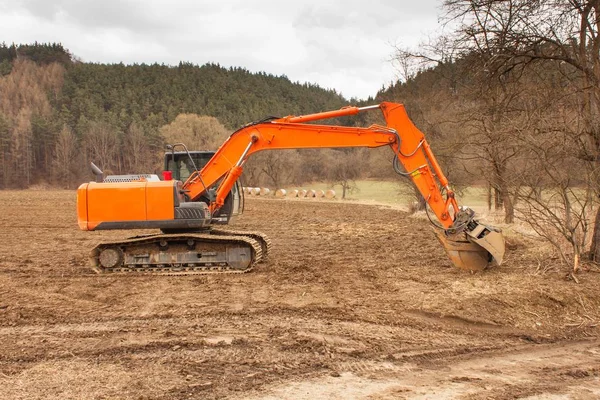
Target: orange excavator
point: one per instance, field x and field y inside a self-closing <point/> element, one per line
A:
<point x="187" y="213"/>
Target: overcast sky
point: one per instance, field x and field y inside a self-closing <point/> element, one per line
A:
<point x="341" y="44"/>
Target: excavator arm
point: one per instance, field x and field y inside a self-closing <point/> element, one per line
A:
<point x="469" y="244"/>
<point x="405" y="140"/>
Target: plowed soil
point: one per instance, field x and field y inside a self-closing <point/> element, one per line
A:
<point x="356" y="301"/>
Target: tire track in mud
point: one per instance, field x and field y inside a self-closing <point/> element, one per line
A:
<point x="321" y="328"/>
<point x="282" y="330"/>
<point x="454" y="322"/>
<point x="562" y="369"/>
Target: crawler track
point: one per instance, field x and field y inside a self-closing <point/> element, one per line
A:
<point x="179" y="254"/>
<point x="265" y="242"/>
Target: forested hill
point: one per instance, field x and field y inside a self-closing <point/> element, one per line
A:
<point x="158" y="93"/>
<point x="57" y="112"/>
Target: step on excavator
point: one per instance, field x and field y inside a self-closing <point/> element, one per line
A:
<point x="191" y="209"/>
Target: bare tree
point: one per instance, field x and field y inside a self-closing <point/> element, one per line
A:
<point x="253" y="173"/>
<point x="102" y="144"/>
<point x="197" y="132"/>
<point x="23" y="95"/>
<point x="561" y="212"/>
<point x="66" y="158"/>
<point x="344" y="168"/>
<point x="5" y="140"/>
<point x="137" y="154"/>
<point x="21" y="149"/>
<point x="523" y="33"/>
<point x="280" y="167"/>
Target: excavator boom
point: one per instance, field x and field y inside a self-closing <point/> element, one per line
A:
<point x="469" y="244"/>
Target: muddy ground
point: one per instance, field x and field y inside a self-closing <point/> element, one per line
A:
<point x="356" y="301"/>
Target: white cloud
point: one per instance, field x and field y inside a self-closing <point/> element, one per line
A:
<point x="343" y="45"/>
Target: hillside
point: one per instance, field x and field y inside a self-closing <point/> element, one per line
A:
<point x="56" y="112"/>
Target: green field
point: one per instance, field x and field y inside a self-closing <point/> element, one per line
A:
<point x="393" y="192"/>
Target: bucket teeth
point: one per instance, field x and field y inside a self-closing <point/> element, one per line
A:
<point x="464" y="254"/>
<point x="475" y="248"/>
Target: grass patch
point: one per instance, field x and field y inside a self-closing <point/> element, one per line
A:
<point x="393" y="192"/>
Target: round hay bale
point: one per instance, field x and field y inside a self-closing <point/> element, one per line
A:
<point x="319" y="194"/>
<point x="302" y="193"/>
<point x="265" y="191"/>
<point x="311" y="193"/>
<point x="279" y="193"/>
<point x="255" y="191"/>
<point x="330" y="194"/>
<point x="292" y="193"/>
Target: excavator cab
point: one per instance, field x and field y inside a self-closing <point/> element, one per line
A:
<point x="181" y="164"/>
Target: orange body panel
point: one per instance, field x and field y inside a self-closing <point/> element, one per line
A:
<point x="82" y="217"/>
<point x="125" y="201"/>
<point x="160" y="197"/>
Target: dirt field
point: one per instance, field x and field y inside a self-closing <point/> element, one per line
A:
<point x="357" y="301"/>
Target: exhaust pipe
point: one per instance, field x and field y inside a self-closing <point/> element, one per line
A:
<point x="97" y="172"/>
<point x="472" y="246"/>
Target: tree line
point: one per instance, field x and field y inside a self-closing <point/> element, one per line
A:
<point x="58" y="113"/>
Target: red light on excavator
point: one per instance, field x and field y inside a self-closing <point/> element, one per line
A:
<point x="167" y="175"/>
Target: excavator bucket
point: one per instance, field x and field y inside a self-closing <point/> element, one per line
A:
<point x="474" y="248"/>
